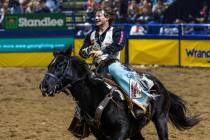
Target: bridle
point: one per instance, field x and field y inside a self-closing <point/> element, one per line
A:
<point x="59" y="82"/>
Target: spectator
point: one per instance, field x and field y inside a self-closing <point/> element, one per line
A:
<point x="203" y="14"/>
<point x="159" y="8"/>
<point x="2" y="14"/>
<point x="208" y="17"/>
<point x="22" y="6"/>
<point x="137" y="29"/>
<point x="18" y="6"/>
<point x="132" y="11"/>
<point x="85" y="29"/>
<point x="90" y="4"/>
<point x="52" y="5"/>
<point x="168" y="2"/>
<point x="171" y="29"/>
<point x="145" y="12"/>
<point x="116" y="8"/>
<point x="189" y="29"/>
<point x="33" y="7"/>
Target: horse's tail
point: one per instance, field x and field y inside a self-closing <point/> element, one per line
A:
<point x="177" y="114"/>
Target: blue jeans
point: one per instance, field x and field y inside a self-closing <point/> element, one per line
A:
<point x="130" y="82"/>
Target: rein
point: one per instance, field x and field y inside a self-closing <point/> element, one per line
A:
<point x="59" y="81"/>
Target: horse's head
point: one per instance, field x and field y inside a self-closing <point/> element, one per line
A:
<point x="62" y="72"/>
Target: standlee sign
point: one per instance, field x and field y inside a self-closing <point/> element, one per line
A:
<point x="43" y="21"/>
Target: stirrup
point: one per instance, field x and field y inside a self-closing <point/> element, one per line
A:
<point x="79" y="128"/>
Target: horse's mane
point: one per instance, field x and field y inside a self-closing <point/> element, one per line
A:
<point x="83" y="69"/>
<point x="80" y="65"/>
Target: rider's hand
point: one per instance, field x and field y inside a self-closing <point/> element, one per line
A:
<point x="95" y="53"/>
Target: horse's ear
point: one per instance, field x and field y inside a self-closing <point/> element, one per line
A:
<point x="57" y="52"/>
<point x="66" y="52"/>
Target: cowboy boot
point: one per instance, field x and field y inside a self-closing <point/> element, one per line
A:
<point x="78" y="127"/>
<point x="141" y="104"/>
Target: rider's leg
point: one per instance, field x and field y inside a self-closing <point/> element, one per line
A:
<point x="78" y="126"/>
<point x="123" y="76"/>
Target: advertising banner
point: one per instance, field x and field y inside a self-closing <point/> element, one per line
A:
<point x="30" y="52"/>
<point x="42" y="21"/>
<point x="34" y="44"/>
<point x="40" y="59"/>
<point x="148" y="51"/>
<point x="195" y="53"/>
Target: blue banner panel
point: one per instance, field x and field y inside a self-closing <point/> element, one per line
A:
<point x="34" y="44"/>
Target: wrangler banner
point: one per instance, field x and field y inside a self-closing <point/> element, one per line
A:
<point x="151" y="51"/>
<point x="195" y="53"/>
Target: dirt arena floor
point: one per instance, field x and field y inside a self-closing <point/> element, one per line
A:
<point x="26" y="114"/>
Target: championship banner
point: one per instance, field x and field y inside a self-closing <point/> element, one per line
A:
<point x="195" y="53"/>
<point x="42" y="21"/>
<point x="148" y="51"/>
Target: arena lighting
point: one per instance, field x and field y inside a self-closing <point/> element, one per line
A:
<point x="47" y="21"/>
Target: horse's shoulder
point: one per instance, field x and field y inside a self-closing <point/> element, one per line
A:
<point x="97" y="81"/>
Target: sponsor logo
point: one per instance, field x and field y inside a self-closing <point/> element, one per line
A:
<point x="35" y="22"/>
<point x="198" y="53"/>
<point x="45" y="22"/>
<point x="11" y="22"/>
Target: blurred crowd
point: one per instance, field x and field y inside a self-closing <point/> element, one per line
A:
<point x="29" y="6"/>
<point x="137" y="12"/>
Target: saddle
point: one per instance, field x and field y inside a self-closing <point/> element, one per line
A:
<point x="121" y="94"/>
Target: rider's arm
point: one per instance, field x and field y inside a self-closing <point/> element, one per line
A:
<point x="118" y="42"/>
<point x="84" y="52"/>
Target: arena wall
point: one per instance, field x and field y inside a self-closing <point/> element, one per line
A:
<point x="193" y="53"/>
<point x="30" y="47"/>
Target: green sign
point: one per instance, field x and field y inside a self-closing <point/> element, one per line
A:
<point x="37" y="22"/>
<point x="34" y="44"/>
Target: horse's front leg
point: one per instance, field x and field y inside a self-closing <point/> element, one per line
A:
<point x="98" y="134"/>
<point x="122" y="132"/>
<point x="137" y="136"/>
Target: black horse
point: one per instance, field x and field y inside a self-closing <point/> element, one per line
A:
<point x="116" y="123"/>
